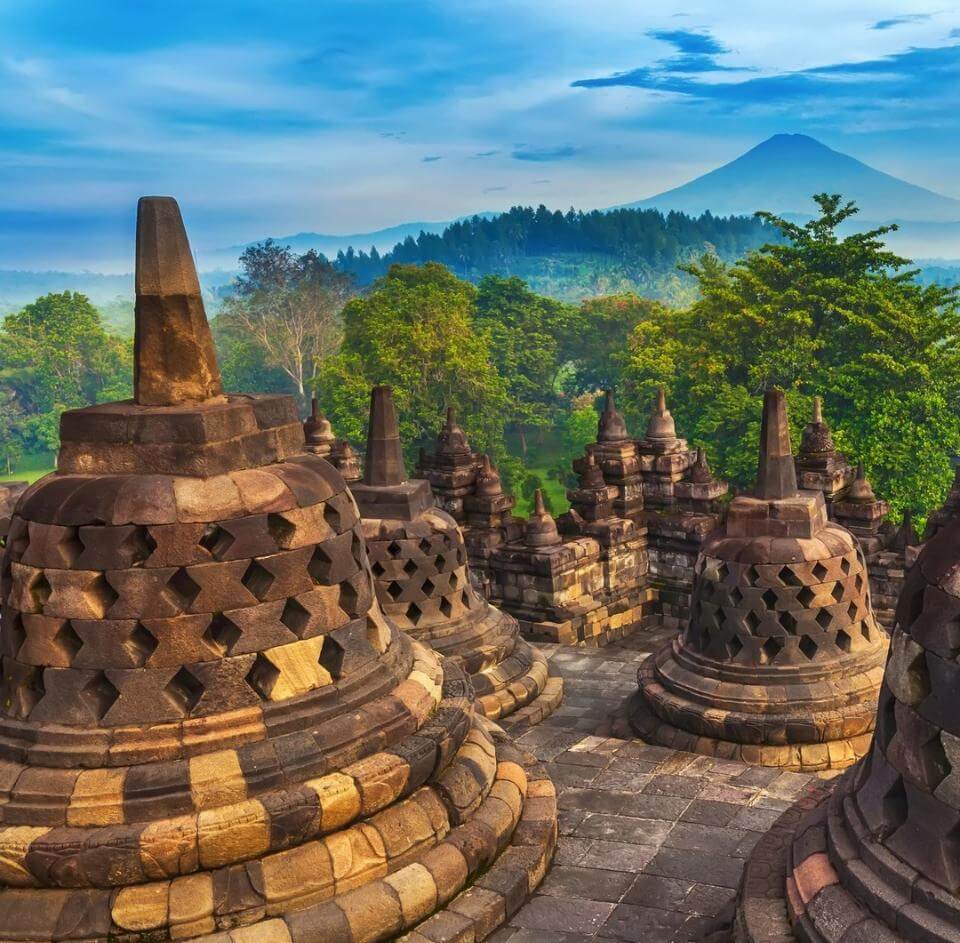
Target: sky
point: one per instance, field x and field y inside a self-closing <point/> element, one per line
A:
<point x="345" y="116"/>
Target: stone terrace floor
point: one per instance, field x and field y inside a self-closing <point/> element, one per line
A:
<point x="652" y="840"/>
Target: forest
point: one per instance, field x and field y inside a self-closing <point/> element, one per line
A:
<point x="805" y="309"/>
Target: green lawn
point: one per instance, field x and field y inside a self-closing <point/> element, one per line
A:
<point x="31" y="467"/>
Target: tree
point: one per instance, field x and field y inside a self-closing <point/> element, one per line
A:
<point x="815" y="314"/>
<point x="56" y="355"/>
<point x="416" y="332"/>
<point x="289" y="306"/>
<point x="531" y="338"/>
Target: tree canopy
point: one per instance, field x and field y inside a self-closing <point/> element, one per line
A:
<point x="814" y="314"/>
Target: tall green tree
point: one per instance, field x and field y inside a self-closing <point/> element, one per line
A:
<point x="819" y="313"/>
<point x="285" y="313"/>
<point x="416" y="332"/>
<point x="531" y="338"/>
<point x="56" y="355"/>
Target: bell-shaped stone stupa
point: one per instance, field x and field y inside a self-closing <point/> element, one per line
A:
<point x="423" y="578"/>
<point x="781" y="660"/>
<point x="208" y="728"/>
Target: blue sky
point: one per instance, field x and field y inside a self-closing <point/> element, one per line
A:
<point x="348" y="115"/>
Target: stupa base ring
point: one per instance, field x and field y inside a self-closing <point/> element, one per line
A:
<point x="795" y="757"/>
<point x="520" y="683"/>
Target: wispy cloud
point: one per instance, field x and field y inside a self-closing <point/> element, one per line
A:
<point x="901" y="20"/>
<point x="545" y="154"/>
<point x="493" y="189"/>
<point x="480" y="155"/>
<point x="431" y="158"/>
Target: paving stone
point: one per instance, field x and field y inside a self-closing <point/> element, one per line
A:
<point x="565" y="916"/>
<point x="593" y="883"/>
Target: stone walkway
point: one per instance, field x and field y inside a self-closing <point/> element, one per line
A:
<point x="653" y="841"/>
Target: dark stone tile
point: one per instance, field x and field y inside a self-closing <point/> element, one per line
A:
<point x="562" y="915"/>
<point x="702" y="869"/>
<point x="710" y="812"/>
<point x="623" y="828"/>
<point x="672" y="785"/>
<point x="633" y="922"/>
<point x="624" y="803"/>
<point x="618" y="856"/>
<point x="651" y="890"/>
<point x="708" y="839"/>
<point x="706" y="899"/>
<point x="592" y="883"/>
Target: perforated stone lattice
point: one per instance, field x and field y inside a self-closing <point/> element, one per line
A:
<point x="783" y="614"/>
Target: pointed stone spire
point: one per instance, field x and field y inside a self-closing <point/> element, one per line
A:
<point x="592" y="476"/>
<point x="383" y="464"/>
<point x="612" y="427"/>
<point x="540" y="529"/>
<point x="661" y="425"/>
<point x="817" y="438"/>
<point x="317" y="431"/>
<point x="345" y="460"/>
<point x="906" y="535"/>
<point x="488" y="480"/>
<point x="452" y="440"/>
<point x="861" y="491"/>
<point x="776" y="475"/>
<point x="700" y="472"/>
<point x="174" y="360"/>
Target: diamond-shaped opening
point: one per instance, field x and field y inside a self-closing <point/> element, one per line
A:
<point x="819" y="572"/>
<point x="99" y="694"/>
<point x="410" y="567"/>
<point x="723" y="571"/>
<point x="184" y="691"/>
<point x="262" y="676"/>
<point x="258" y="579"/>
<point x="14" y="635"/>
<point x="461" y="556"/>
<point x="824" y="619"/>
<point x="736" y="597"/>
<point x="753" y="577"/>
<point x="40" y="590"/>
<point x="70" y="545"/>
<point x="752" y="620"/>
<point x="428" y="587"/>
<point x="886" y="719"/>
<point x="808" y="646"/>
<point x="843" y="641"/>
<point x="933" y="760"/>
<point x="331" y="657"/>
<point x="465" y="598"/>
<point x="281" y="529"/>
<point x="788" y="621"/>
<point x="184" y="588"/>
<point x="734" y="646"/>
<point x="393" y="548"/>
<point x="320" y="566"/>
<point x="141" y="643"/>
<point x="414" y="613"/>
<point x="894" y="809"/>
<point x="349" y="600"/>
<point x="837" y="591"/>
<point x="216" y="541"/>
<point x="333" y="517"/>
<point x="865" y="630"/>
<point x="454" y="580"/>
<point x="858" y="582"/>
<point x="143" y="544"/>
<point x="440" y="562"/>
<point x="425" y="545"/>
<point x="101" y="594"/>
<point x="806" y="596"/>
<point x="358" y="550"/>
<point x="852" y="611"/>
<point x="721" y="617"/>
<point x="771" y="648"/>
<point x="68" y="641"/>
<point x="770" y="599"/>
<point x="33" y="690"/>
<point x="394" y="590"/>
<point x="377" y="569"/>
<point x="446" y="607"/>
<point x="788" y="577"/>
<point x="295" y="617"/>
<point x="845" y="566"/>
<point x="223" y="633"/>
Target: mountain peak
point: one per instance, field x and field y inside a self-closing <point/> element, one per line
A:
<point x="782" y="173"/>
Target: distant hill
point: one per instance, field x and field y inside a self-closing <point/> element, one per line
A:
<point x="381" y="239"/>
<point x="782" y="173"/>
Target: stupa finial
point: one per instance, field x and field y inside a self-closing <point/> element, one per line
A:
<point x="776" y="474"/>
<point x="173" y="356"/>
<point x="383" y="464"/>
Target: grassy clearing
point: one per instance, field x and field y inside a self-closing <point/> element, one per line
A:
<point x="32" y="466"/>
